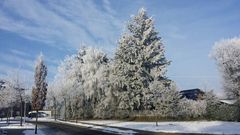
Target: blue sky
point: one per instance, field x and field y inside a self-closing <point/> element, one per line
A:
<point x="57" y="28"/>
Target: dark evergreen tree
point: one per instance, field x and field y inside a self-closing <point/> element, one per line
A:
<point x="39" y="90"/>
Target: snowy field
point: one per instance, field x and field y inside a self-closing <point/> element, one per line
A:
<point x="14" y="124"/>
<point x="17" y="126"/>
<point x="204" y="127"/>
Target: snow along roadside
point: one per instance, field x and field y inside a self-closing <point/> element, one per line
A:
<point x="202" y="127"/>
<point x="102" y="128"/>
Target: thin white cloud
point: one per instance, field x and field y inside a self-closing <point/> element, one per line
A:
<point x="52" y="69"/>
<point x="17" y="61"/>
<point x="6" y="69"/>
<point x="53" y="61"/>
<point x="174" y="32"/>
<point x="26" y="76"/>
<point x="107" y="7"/>
<point x="61" y="23"/>
<point x="19" y="53"/>
<point x="24" y="65"/>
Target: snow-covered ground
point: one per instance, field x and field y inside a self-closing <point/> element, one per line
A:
<point x="14" y="124"/>
<point x="11" y="122"/>
<point x="204" y="127"/>
<point x="17" y="126"/>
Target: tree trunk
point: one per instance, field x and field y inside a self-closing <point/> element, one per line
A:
<point x="21" y="112"/>
<point x="65" y="109"/>
<point x="24" y="111"/>
<point x="156" y="120"/>
<point x="55" y="114"/>
<point x="8" y="116"/>
<point x="11" y="112"/>
<point x="36" y="122"/>
<point x="76" y="116"/>
<point x="55" y="109"/>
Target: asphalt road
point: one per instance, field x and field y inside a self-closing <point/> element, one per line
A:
<point x="65" y="129"/>
<point x="51" y="128"/>
<point x="58" y="129"/>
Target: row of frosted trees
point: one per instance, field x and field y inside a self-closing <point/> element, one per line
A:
<point x="14" y="97"/>
<point x="88" y="84"/>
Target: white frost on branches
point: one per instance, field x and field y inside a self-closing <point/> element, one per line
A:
<point x="191" y="108"/>
<point x="227" y="56"/>
<point x="82" y="83"/>
<point x="139" y="60"/>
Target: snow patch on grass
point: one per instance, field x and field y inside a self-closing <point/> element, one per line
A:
<point x="115" y="130"/>
<point x="10" y="122"/>
<point x="102" y="122"/>
<point x="204" y="127"/>
<point x="17" y="126"/>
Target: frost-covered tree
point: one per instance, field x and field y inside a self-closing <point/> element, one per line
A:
<point x="52" y="100"/>
<point x="138" y="61"/>
<point x="12" y="93"/>
<point x="8" y="98"/>
<point x="212" y="102"/>
<point x="4" y="93"/>
<point x="227" y="56"/>
<point x="94" y="73"/>
<point x="68" y="79"/>
<point x="39" y="89"/>
<point x="162" y="99"/>
<point x="192" y="109"/>
<point x="165" y="99"/>
<point x="82" y="82"/>
<point x="16" y="84"/>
